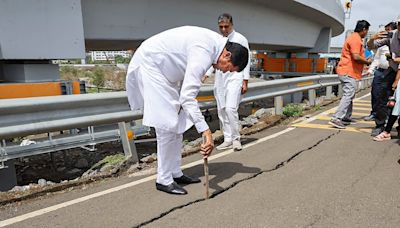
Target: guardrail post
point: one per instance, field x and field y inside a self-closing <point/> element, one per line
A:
<point x="340" y="90"/>
<point x="311" y="96"/>
<point x="8" y="176"/>
<point x="278" y="103"/>
<point x="328" y="94"/>
<point x="127" y="137"/>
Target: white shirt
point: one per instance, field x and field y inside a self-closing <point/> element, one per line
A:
<point x="394" y="47"/>
<point x="177" y="55"/>
<point x="380" y="60"/>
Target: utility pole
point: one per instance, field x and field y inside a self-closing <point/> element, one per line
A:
<point x="347" y="6"/>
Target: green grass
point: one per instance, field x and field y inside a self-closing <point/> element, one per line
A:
<point x="293" y="110"/>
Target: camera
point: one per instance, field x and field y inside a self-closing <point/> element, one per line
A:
<point x="389" y="35"/>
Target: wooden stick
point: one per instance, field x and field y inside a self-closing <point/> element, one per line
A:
<point x="206" y="172"/>
<point x="206" y="177"/>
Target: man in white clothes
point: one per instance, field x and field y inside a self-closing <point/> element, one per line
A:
<point x="229" y="87"/>
<point x="163" y="80"/>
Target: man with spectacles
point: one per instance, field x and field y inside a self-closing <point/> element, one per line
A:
<point x="377" y="68"/>
<point x="229" y="87"/>
<point x="392" y="40"/>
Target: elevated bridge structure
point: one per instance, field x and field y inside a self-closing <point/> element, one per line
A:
<point x="34" y="32"/>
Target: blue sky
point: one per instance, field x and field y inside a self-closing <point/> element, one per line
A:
<point x="376" y="12"/>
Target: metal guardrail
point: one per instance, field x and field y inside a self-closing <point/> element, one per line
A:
<point x="27" y="116"/>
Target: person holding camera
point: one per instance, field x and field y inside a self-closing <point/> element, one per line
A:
<point x="392" y="40"/>
<point x="395" y="112"/>
<point x="350" y="70"/>
<point x="377" y="67"/>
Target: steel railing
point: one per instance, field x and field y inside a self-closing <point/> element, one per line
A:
<point x="29" y="116"/>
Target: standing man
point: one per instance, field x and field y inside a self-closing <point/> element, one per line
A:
<point x="392" y="40"/>
<point x="229" y="87"/>
<point x="377" y="67"/>
<point x="349" y="70"/>
<point x="178" y="56"/>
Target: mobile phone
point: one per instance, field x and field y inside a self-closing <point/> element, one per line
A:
<point x="389" y="35"/>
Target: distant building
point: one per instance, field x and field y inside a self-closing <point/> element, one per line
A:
<point x="108" y="55"/>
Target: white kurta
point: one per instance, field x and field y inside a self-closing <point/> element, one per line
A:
<point x="177" y="56"/>
<point x="227" y="92"/>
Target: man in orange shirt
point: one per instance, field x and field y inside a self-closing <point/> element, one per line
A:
<point x="349" y="70"/>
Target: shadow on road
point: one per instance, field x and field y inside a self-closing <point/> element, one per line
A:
<point x="221" y="171"/>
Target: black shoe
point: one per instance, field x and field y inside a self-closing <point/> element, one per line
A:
<point x="172" y="188"/>
<point x="376" y="132"/>
<point x="186" y="180"/>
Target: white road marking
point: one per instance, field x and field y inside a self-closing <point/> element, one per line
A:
<point x="128" y="185"/>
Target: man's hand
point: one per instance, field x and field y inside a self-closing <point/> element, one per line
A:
<point x="369" y="60"/>
<point x="204" y="78"/>
<point x="367" y="73"/>
<point x="396" y="60"/>
<point x="244" y="86"/>
<point x="394" y="85"/>
<point x="396" y="80"/>
<point x="379" y="35"/>
<point x="208" y="144"/>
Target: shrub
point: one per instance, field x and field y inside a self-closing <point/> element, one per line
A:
<point x="293" y="110"/>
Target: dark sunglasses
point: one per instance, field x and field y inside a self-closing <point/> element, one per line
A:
<point x="224" y="26"/>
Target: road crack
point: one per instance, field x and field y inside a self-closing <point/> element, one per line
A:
<point x="216" y="193"/>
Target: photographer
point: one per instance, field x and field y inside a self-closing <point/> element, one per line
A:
<point x="377" y="67"/>
<point x="395" y="112"/>
<point x="392" y="40"/>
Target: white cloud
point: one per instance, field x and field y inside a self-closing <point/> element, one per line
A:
<point x="376" y="12"/>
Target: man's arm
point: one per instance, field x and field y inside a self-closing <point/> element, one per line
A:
<point x="358" y="58"/>
<point x="246" y="70"/>
<point x="375" y="62"/>
<point x="208" y="73"/>
<point x="197" y="62"/>
<point x="378" y="40"/>
<point x="396" y="81"/>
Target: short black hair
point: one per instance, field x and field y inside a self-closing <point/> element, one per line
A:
<point x="225" y="17"/>
<point x="240" y="55"/>
<point x="361" y="25"/>
<point x="392" y="25"/>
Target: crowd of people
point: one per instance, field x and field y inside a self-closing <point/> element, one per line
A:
<point x="383" y="66"/>
<point x="167" y="70"/>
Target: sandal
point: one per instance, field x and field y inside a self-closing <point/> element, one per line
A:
<point x="382" y="137"/>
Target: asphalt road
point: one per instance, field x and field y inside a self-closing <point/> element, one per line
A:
<point x="305" y="175"/>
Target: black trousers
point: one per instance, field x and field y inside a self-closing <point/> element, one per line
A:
<point x="382" y="111"/>
<point x="392" y="119"/>
<point x="375" y="88"/>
